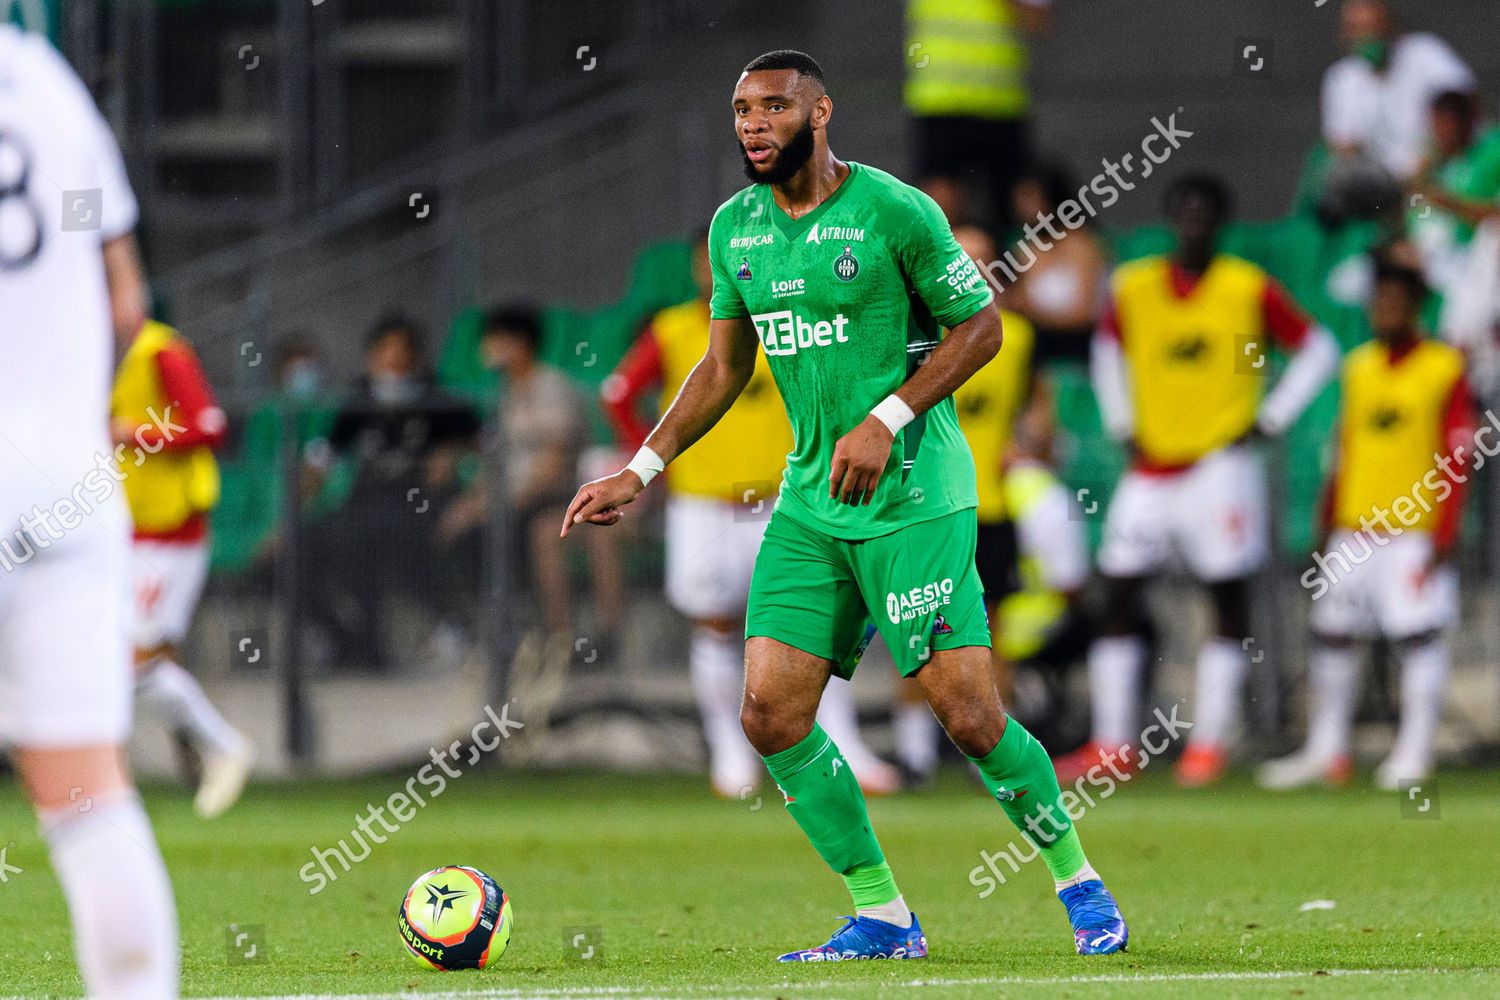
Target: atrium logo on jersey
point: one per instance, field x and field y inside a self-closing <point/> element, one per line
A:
<point x="785" y="332"/>
<point x="918" y="601"/>
<point x="839" y="234"/>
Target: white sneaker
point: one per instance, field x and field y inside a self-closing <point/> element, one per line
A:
<point x="1395" y="771"/>
<point x="1302" y="769"/>
<point x="728" y="786"/>
<point x="224" y="775"/>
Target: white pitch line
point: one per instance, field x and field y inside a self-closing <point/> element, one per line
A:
<point x="659" y="993"/>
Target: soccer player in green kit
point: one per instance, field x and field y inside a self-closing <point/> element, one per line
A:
<point x="845" y="276"/>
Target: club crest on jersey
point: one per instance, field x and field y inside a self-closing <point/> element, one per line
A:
<point x="743" y="274"/>
<point x="846" y="267"/>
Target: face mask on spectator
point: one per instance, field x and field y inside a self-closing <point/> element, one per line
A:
<point x="303" y="380"/>
<point x="393" y="390"/>
<point x="1373" y="50"/>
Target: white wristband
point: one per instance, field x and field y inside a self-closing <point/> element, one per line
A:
<point x="646" y="464"/>
<point x="894" y="413"/>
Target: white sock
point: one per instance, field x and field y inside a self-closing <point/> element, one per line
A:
<point x="1333" y="685"/>
<point x="175" y="693"/>
<point x="837" y="716"/>
<point x="1084" y="874"/>
<point x="895" y="912"/>
<point x="1115" y="665"/>
<point x="916" y="732"/>
<point x="717" y="665"/>
<point x="124" y="919"/>
<point x="1424" y="688"/>
<point x="1221" y="674"/>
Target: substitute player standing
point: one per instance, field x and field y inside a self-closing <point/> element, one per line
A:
<point x="1180" y="365"/>
<point x="720" y="500"/>
<point x="1407" y="422"/>
<point x="845" y="290"/>
<point x="166" y="418"/>
<point x="67" y="264"/>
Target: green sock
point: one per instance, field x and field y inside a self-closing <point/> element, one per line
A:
<point x="1019" y="774"/>
<point x="824" y="798"/>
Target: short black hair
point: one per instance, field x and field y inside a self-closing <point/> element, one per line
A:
<point x="1207" y="186"/>
<point x="400" y="324"/>
<point x="1456" y="102"/>
<point x="801" y="62"/>
<point x="1410" y="278"/>
<point x="294" y="344"/>
<point x="515" y="319"/>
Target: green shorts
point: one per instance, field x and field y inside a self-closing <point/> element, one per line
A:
<point x="918" y="586"/>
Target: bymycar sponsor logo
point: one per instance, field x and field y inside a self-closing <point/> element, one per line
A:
<point x="793" y="286"/>
<point x="918" y="601"/>
<point x="758" y="240"/>
<point x="785" y="332"/>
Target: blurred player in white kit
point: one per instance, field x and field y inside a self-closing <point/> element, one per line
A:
<point x="68" y="272"/>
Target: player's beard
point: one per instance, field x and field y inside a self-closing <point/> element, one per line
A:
<point x="789" y="159"/>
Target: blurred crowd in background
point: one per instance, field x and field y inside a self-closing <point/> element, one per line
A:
<point x="395" y="481"/>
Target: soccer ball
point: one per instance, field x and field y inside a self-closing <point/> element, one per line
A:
<point x="455" y="917"/>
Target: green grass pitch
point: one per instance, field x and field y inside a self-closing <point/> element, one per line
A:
<point x="693" y="897"/>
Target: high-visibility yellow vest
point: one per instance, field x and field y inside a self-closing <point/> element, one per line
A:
<point x="1197" y="362"/>
<point x="741" y="458"/>
<point x="965" y="57"/>
<point x="987" y="406"/>
<point x="1027" y="615"/>
<point x="1391" y="429"/>
<point x="164" y="489"/>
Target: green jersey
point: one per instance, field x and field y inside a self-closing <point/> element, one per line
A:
<point x="847" y="301"/>
<point x="1473" y="175"/>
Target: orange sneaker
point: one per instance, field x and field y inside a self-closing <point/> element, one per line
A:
<point x="1341" y="771"/>
<point x="1201" y="764"/>
<point x="877" y="778"/>
<point x="1072" y="766"/>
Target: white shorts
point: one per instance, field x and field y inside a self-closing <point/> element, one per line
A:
<point x="65" y="663"/>
<point x="1212" y="516"/>
<point x="169" y="579"/>
<point x="1381" y="590"/>
<point x="711" y="550"/>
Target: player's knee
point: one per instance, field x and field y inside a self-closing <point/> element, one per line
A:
<point x="974" y="729"/>
<point x="1409" y="644"/>
<point x="771" y="728"/>
<point x="1329" y="640"/>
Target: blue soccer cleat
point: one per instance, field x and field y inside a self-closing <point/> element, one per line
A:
<point x="866" y="937"/>
<point x="1098" y="927"/>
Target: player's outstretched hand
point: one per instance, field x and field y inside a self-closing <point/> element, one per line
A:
<point x="599" y="502"/>
<point x="859" y="458"/>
